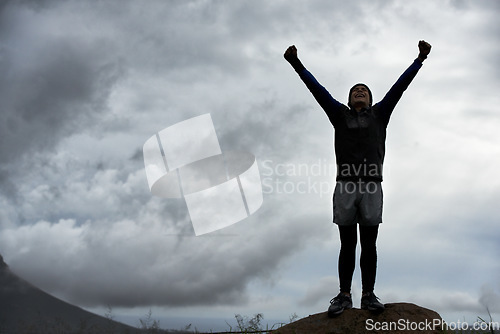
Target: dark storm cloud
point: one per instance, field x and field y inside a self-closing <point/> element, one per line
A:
<point x="194" y="40"/>
<point x="51" y="85"/>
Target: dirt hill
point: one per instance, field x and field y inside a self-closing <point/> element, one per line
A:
<point x="397" y="318"/>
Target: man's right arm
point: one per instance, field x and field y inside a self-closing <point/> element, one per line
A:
<point x="331" y="106"/>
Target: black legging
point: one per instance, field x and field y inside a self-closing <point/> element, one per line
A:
<point x="347" y="257"/>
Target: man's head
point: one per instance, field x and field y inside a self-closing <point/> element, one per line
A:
<point x="360" y="96"/>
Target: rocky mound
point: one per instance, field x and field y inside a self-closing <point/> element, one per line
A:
<point x="397" y="318"/>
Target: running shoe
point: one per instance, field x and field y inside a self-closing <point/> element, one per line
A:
<point x="339" y="304"/>
<point x="371" y="302"/>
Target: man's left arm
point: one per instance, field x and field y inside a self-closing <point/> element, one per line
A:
<point x="393" y="96"/>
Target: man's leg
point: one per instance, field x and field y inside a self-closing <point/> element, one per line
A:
<point x="368" y="239"/>
<point x="368" y="261"/>
<point x="347" y="263"/>
<point x="370" y="218"/>
<point x="370" y="214"/>
<point x="347" y="256"/>
<point x="344" y="215"/>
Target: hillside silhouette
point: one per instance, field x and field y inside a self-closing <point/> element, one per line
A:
<point x="26" y="309"/>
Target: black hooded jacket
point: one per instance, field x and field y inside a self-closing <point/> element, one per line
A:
<point x="359" y="136"/>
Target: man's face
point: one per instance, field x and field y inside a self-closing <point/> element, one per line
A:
<point x="360" y="97"/>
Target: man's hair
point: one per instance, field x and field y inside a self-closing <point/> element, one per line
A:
<point x="352" y="88"/>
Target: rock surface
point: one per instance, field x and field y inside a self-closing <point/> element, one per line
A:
<point x="403" y="317"/>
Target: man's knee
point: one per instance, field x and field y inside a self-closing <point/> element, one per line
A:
<point x="368" y="236"/>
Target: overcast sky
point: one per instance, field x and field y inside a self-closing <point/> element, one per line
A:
<point x="83" y="84"/>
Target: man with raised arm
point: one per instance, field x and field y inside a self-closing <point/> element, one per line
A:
<point x="360" y="132"/>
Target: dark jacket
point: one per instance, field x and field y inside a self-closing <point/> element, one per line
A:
<point x="359" y="136"/>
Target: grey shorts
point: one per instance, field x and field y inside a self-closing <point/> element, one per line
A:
<point x="357" y="202"/>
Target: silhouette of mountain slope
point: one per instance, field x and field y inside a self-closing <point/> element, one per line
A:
<point x="26" y="309"/>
